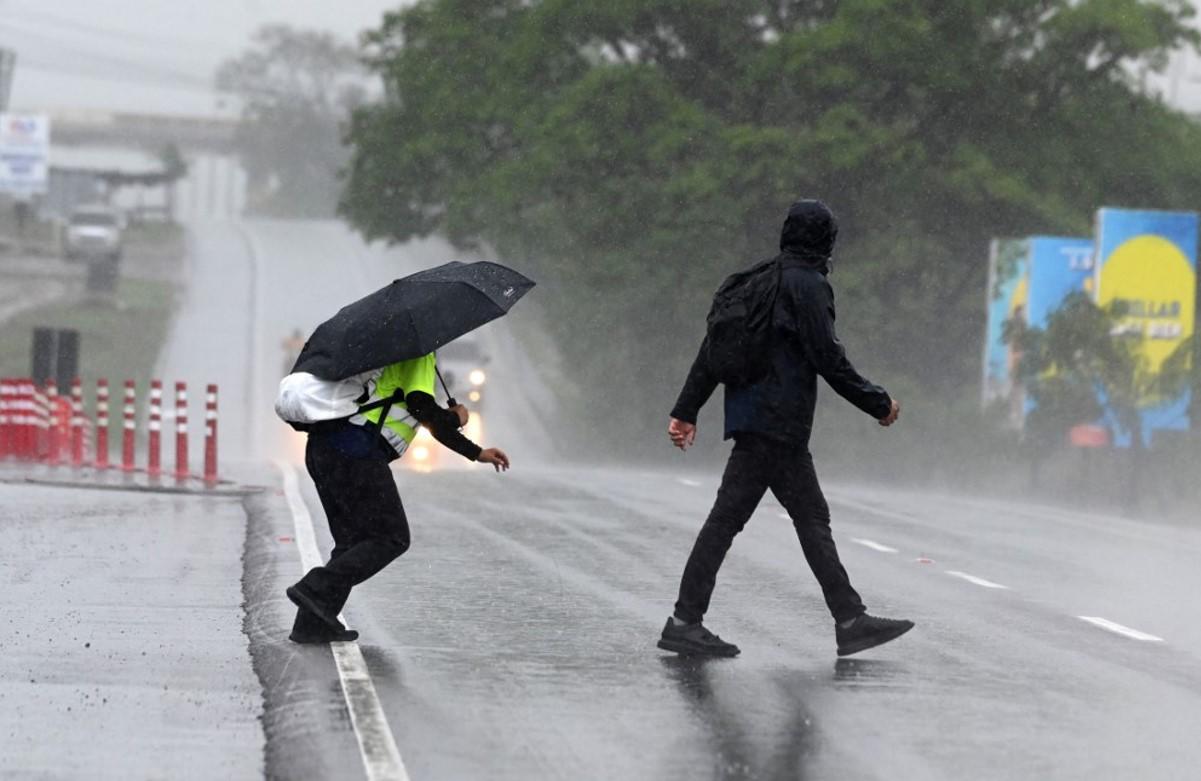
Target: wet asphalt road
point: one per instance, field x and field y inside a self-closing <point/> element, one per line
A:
<point x="516" y="638"/>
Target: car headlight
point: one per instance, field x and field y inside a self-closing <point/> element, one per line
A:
<point x="474" y="396"/>
<point x="421" y="453"/>
<point x="477" y="377"/>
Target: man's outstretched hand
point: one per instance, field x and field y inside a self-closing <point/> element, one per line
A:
<point x="496" y="457"/>
<point x="892" y="415"/>
<point x="682" y="434"/>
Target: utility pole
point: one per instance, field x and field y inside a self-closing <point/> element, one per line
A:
<point x="8" y="64"/>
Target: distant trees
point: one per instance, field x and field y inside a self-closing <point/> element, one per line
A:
<point x="631" y="154"/>
<point x="297" y="89"/>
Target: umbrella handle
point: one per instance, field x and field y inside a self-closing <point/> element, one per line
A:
<point x="450" y="400"/>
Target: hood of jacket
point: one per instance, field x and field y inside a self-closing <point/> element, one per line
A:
<point x="809" y="231"/>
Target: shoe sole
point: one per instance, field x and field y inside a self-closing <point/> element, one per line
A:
<point x="873" y="641"/>
<point x="347" y="637"/>
<point x="300" y="599"/>
<point x="691" y="649"/>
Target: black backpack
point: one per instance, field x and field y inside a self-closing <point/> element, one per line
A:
<point x="738" y="335"/>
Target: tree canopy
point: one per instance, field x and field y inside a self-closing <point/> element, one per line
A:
<point x="297" y="89"/>
<point x="632" y="153"/>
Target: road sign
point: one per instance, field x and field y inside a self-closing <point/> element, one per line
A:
<point x="24" y="153"/>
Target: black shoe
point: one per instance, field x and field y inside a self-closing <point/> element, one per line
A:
<point x="868" y="632"/>
<point x="694" y="640"/>
<point x="310" y="630"/>
<point x="303" y="597"/>
<point x="323" y="636"/>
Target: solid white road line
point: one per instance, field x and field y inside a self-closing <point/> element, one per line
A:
<point x="1126" y="631"/>
<point x="381" y="757"/>
<point x="873" y="545"/>
<point x="690" y="483"/>
<point x="973" y="579"/>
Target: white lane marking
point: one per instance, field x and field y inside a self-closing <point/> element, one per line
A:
<point x="873" y="545"/>
<point x="973" y="579"/>
<point x="381" y="757"/>
<point x="690" y="483"/>
<point x="1133" y="634"/>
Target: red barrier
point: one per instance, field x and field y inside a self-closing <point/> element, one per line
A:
<point x="26" y="433"/>
<point x="181" y="430"/>
<point x="154" y="463"/>
<point x="210" y="435"/>
<point x="6" y="426"/>
<point x="102" y="423"/>
<point x="130" y="426"/>
<point x="77" y="422"/>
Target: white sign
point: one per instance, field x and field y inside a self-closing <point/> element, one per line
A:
<point x="24" y="153"/>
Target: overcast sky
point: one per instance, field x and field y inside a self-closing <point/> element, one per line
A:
<point x="154" y="56"/>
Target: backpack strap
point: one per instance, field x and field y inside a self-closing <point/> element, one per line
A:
<point x="397" y="397"/>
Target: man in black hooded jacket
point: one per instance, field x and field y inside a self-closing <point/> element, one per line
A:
<point x="770" y="422"/>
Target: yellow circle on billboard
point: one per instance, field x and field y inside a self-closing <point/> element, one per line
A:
<point x="1153" y="285"/>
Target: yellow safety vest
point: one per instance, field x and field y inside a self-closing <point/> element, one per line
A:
<point x="416" y="374"/>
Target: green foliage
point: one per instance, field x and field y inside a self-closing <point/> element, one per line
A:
<point x="297" y="89"/>
<point x="632" y="153"/>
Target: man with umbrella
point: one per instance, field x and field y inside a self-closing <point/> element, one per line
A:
<point x="362" y="385"/>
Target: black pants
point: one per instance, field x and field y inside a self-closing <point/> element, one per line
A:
<point x="366" y="519"/>
<point x="755" y="465"/>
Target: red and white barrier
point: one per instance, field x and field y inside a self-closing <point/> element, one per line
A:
<point x="102" y="423"/>
<point x="154" y="441"/>
<point x="210" y="434"/>
<point x="37" y="424"/>
<point x="77" y="422"/>
<point x="181" y="430"/>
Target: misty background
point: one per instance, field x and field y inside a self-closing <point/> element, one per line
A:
<point x="630" y="157"/>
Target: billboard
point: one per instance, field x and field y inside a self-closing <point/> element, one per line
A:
<point x="1059" y="266"/>
<point x="1147" y="274"/>
<point x="1008" y="291"/>
<point x="24" y="153"/>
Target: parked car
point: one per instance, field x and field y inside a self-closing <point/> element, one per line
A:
<point x="94" y="233"/>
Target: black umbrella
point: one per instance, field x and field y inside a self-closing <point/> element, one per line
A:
<point x="411" y="317"/>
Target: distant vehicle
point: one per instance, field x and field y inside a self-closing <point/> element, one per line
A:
<point x="462" y="365"/>
<point x="94" y="233"/>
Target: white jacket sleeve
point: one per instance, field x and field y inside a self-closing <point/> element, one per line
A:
<point x="305" y="398"/>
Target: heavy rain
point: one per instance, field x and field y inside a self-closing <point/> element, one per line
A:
<point x="545" y="389"/>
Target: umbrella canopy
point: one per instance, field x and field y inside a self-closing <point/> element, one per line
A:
<point x="411" y="317"/>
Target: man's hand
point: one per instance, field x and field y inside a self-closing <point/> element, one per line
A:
<point x="682" y="434"/>
<point x="892" y="415"/>
<point x="496" y="457"/>
<point x="463" y="414"/>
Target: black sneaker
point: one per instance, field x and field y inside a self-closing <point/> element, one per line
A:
<point x="694" y="640"/>
<point x="303" y="597"/>
<point x="868" y="632"/>
<point x="323" y="636"/>
<point x="308" y="629"/>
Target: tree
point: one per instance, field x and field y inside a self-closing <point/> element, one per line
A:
<point x="297" y="89"/>
<point x="633" y="153"/>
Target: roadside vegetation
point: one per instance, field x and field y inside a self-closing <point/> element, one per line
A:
<point x="629" y="155"/>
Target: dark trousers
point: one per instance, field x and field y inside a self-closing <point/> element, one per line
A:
<point x="366" y="519"/>
<point x="755" y="465"/>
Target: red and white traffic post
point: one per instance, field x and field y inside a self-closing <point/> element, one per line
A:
<point x="154" y="459"/>
<point x="181" y="430"/>
<point x="130" y="426"/>
<point x="210" y="434"/>
<point x="102" y="423"/>
<point x="6" y="411"/>
<point x="77" y="422"/>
